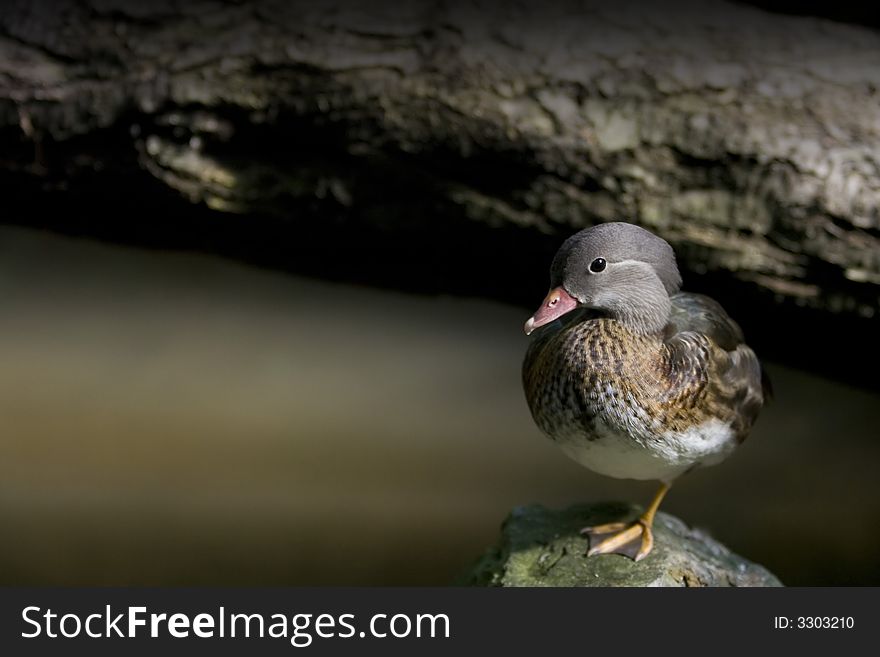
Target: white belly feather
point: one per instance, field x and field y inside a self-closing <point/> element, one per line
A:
<point x="619" y="455"/>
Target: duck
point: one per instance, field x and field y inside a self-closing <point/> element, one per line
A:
<point x="632" y="377"/>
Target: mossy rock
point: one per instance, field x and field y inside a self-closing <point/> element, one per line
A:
<point x="541" y="547"/>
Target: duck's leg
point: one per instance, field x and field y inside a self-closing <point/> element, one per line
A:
<point x="632" y="539"/>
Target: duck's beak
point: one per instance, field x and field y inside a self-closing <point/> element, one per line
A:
<point x="555" y="305"/>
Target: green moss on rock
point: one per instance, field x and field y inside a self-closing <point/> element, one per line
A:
<point x="541" y="547"/>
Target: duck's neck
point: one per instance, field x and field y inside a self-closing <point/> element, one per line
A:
<point x="645" y="314"/>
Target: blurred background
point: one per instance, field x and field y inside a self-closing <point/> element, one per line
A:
<point x="264" y="269"/>
<point x="181" y="419"/>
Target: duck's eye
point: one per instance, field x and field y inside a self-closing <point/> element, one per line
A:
<point x="598" y="265"/>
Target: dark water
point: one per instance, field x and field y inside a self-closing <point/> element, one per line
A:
<point x="179" y="419"/>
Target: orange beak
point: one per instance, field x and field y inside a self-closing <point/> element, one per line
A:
<point x="555" y="305"/>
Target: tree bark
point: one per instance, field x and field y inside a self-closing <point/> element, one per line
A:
<point x="451" y="146"/>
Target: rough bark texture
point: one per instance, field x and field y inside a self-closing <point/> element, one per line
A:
<point x="750" y="141"/>
<point x="539" y="547"/>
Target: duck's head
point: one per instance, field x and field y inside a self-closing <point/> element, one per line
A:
<point x="616" y="269"/>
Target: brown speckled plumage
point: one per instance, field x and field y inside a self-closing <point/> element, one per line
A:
<point x="596" y="368"/>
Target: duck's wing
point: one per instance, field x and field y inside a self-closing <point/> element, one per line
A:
<point x="701" y="314"/>
<point x="710" y="360"/>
